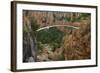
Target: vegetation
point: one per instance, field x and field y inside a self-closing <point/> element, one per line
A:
<point x="52" y="36"/>
<point x="56" y="43"/>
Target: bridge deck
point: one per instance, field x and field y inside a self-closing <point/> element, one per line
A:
<point x="47" y="27"/>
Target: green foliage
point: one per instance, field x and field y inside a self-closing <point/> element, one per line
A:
<point x="67" y="19"/>
<point x="40" y="45"/>
<point x="51" y="36"/>
<point x="76" y="19"/>
<point x="84" y="15"/>
<point x="25" y="29"/>
<point x="34" y="25"/>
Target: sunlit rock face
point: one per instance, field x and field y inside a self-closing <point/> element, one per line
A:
<point x="78" y="45"/>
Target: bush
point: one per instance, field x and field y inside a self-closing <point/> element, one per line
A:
<point x="52" y="36"/>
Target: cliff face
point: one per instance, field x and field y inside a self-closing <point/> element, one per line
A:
<point x="78" y="45"/>
<point x="51" y="18"/>
<point x="56" y="43"/>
